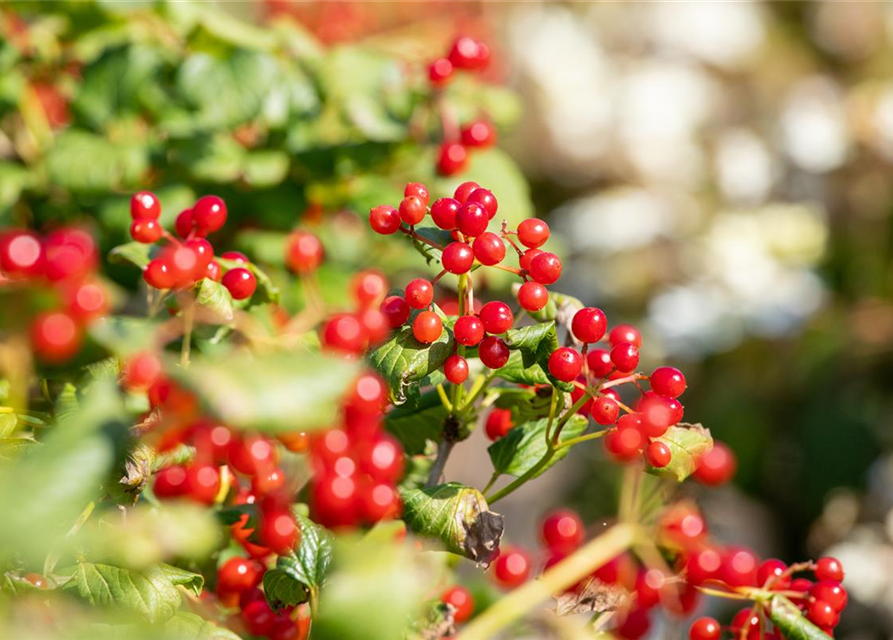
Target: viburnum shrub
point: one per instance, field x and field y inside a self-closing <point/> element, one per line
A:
<point x="294" y="463"/>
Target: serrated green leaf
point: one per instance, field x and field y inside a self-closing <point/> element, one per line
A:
<point x="457" y="516"/>
<point x="535" y="343"/>
<point x="515" y="371"/>
<point x="415" y="425"/>
<point x="403" y="360"/>
<point x="271" y="393"/>
<point x="525" y="445"/>
<point x="302" y="570"/>
<point x="195" y="582"/>
<point x="528" y="339"/>
<point x="150" y="594"/>
<point x="687" y="443"/>
<point x="216" y="298"/>
<point x="188" y="626"/>
<point x="791" y="622"/>
<point x="135" y="253"/>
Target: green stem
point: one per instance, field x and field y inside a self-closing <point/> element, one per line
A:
<point x="579" y="439"/>
<point x="492" y="481"/>
<point x="518" y="482"/>
<point x="569" y="571"/>
<point x="188" y="323"/>
<point x="553" y="407"/>
<point x="443" y="399"/>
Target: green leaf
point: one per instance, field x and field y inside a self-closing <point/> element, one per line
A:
<point x="525" y="446"/>
<point x="791" y="622"/>
<point x="8" y="422"/>
<point x="195" y="582"/>
<point x="415" y="426"/>
<point x="112" y="86"/>
<point x="515" y="371"/>
<point x="265" y="168"/>
<point x="535" y="344"/>
<point x="124" y="335"/>
<point x="150" y="594"/>
<point x="83" y="161"/>
<point x="273" y="392"/>
<point x="13" y="447"/>
<point x="403" y="360"/>
<point x="457" y="516"/>
<point x="306" y="567"/>
<point x="135" y="253"/>
<point x="216" y="298"/>
<point x="188" y="626"/>
<point x="687" y="443"/>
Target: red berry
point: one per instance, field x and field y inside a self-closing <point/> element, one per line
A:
<point x="258" y="618"/>
<point x="667" y="382"/>
<point x="822" y="614"/>
<point x="565" y="363"/>
<point x="469" y="330"/>
<point x="278" y="529"/>
<point x="443" y="212"/>
<point x="829" y="569"/>
<point x="498" y="424"/>
<point x="418" y="190"/>
<point x="241" y="283"/>
<point x="489" y="249"/>
<point x="533" y="233"/>
<point x="589" y="324"/>
<point x="716" y="466"/>
<point x="182" y="263"/>
<point x="440" y="71"/>
<point x="55" y="337"/>
<point x="238" y="575"/>
<point x="284" y="628"/>
<point x="21" y="254"/>
<point x="369" y="288"/>
<point x="419" y="293"/>
<point x="635" y="625"/>
<point x="384" y="219"/>
<point x="68" y="254"/>
<point x="251" y="455"/>
<point x="462" y="602"/>
<point x="604" y="410"/>
<point x="480" y="134"/>
<point x="493" y="352"/>
<point x="170" y="482"/>
<point x="545" y="268"/>
<point x="625" y="356"/>
<point x="202" y="483"/>
<point x="746" y="624"/>
<point x="599" y="362"/>
<point x="625" y="444"/>
<point x="382" y="459"/>
<point x="472" y="219"/>
<point x="378" y="501"/>
<point x="487" y="201"/>
<point x="739" y="568"/>
<point x="464" y="190"/>
<point x="831" y="592"/>
<point x="452" y="158"/>
<point x="562" y="530"/>
<point x="141" y="370"/>
<point x="511" y="568"/>
<point x="658" y="454"/>
<point x="209" y="214"/>
<point x="465" y="53"/>
<point x="772" y="574"/>
<point x="235" y="256"/>
<point x="496" y="317"/>
<point x="395" y="310"/>
<point x="656" y="416"/>
<point x="145" y="230"/>
<point x="705" y="629"/>
<point x="456" y="369"/>
<point x="334" y="500"/>
<point x="344" y="332"/>
<point x="145" y="204"/>
<point x="427" y="327"/>
<point x="532" y="296"/>
<point x="303" y="252"/>
<point x="527" y="257"/>
<point x="412" y="210"/>
<point x="267" y="481"/>
<point x="86" y="301"/>
<point x="183" y="225"/>
<point x="625" y="333"/>
<point x="457" y="258"/>
<point x="702" y="566"/>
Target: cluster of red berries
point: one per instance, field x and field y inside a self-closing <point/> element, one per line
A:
<point x="63" y="261"/>
<point x="238" y="585"/>
<point x="466" y="54"/>
<point x="190" y="258"/>
<point x="357" y="465"/>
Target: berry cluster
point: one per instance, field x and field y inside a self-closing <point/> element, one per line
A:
<point x="63" y="261"/>
<point x="186" y="260"/>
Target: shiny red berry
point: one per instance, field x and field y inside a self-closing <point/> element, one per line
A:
<point x="498" y="424"/>
<point x="183" y="224"/>
<point x="170" y="482"/>
<point x="444" y="211"/>
<point x="241" y="283"/>
<point x="452" y="158"/>
<point x="658" y="454"/>
<point x="545" y="268"/>
<point x="440" y="71"/>
<point x="532" y="296"/>
<point x="145" y="230"/>
<point x="345" y="333"/>
<point x="235" y="256"/>
<point x="480" y="134"/>
<point x="565" y="363"/>
<point x="21" y="254"/>
<point x="385" y="219"/>
<point x="202" y="483"/>
<point x="489" y="249"/>
<point x="604" y="410"/>
<point x="419" y="293"/>
<point x="209" y="214"/>
<point x="771" y="574"/>
<point x="278" y="530"/>
<point x="625" y="356"/>
<point x="739" y="568"/>
<point x="468" y="330"/>
<point x="369" y="288"/>
<point x="145" y="204"/>
<point x="589" y="324"/>
<point x="527" y="257"/>
<point x="822" y="614"/>
<point x="716" y="466"/>
<point x="412" y="210"/>
<point x="456" y="369"/>
<point x="599" y="362"/>
<point x="141" y="370"/>
<point x="457" y="258"/>
<point x="562" y="530"/>
<point x="533" y="233"/>
<point x="625" y="333"/>
<point x="395" y="310"/>
<point x="831" y="592"/>
<point x="705" y="629"/>
<point x="496" y="317"/>
<point x="418" y="190"/>
<point x="493" y="352"/>
<point x="472" y="219"/>
<point x="427" y="327"/>
<point x="55" y="336"/>
<point x="829" y="569"/>
<point x="238" y="575"/>
<point x="486" y="200"/>
<point x="511" y="568"/>
<point x="464" y="190"/>
<point x="258" y="618"/>
<point x="668" y="382"/>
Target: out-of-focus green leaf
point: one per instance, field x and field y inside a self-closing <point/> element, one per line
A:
<point x="188" y="626"/>
<point x="113" y="85"/>
<point x="83" y="161"/>
<point x="12" y="447"/>
<point x="124" y="335"/>
<point x="218" y="158"/>
<point x="687" y="442"/>
<point x="216" y="298"/>
<point x="135" y="253"/>
<point x="8" y="423"/>
<point x="791" y="622"/>
<point x="273" y="393"/>
<point x="525" y="445"/>
<point x="265" y="168"/>
<point x="415" y="426"/>
<point x="403" y="360"/>
<point x="457" y="516"/>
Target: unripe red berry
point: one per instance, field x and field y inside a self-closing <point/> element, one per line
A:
<point x="625" y="333"/>
<point x="829" y="569"/>
<point x="395" y="310"/>
<point x="468" y="330"/>
<point x="427" y="327"/>
<point x="452" y="158"/>
<point x="440" y="71"/>
<point x="456" y="369"/>
<point x="604" y="410"/>
<point x="705" y="629"/>
<point x="444" y="211"/>
<point x="532" y="296"/>
<point x="209" y="214"/>
<point x="464" y="190"/>
<point x="240" y="283"/>
<point x="145" y="230"/>
<point x="562" y="530"/>
<point x="625" y="356"/>
<point x="565" y="363"/>
<point x="545" y="268"/>
<point x="412" y="210"/>
<point x="599" y="362"/>
<point x="511" y="568"/>
<point x="668" y="382"/>
<point x="487" y="201"/>
<point x="493" y="352"/>
<point x="55" y="337"/>
<point x="303" y="252"/>
<point x="369" y="288"/>
<point x="716" y="466"/>
<point x="461" y="600"/>
<point x="384" y="219"/>
<point x="418" y="190"/>
<point x="480" y="134"/>
<point x="145" y="204"/>
<point x="489" y="249"/>
<point x="533" y="233"/>
<point x="658" y="454"/>
<point x="498" y="424"/>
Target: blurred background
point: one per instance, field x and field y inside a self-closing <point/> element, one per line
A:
<point x="718" y="173"/>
